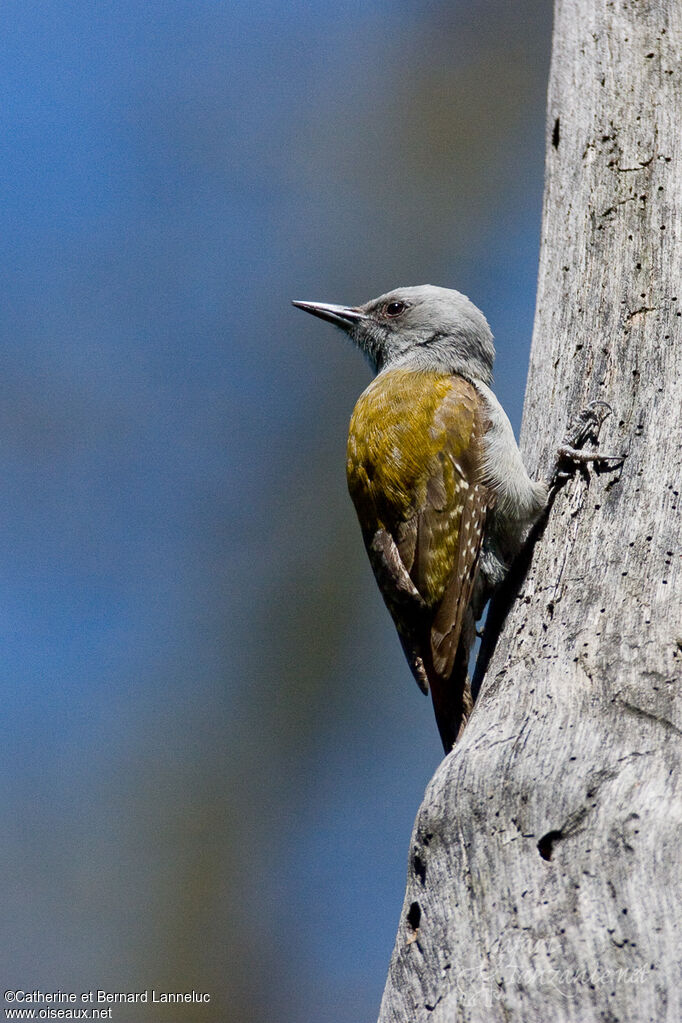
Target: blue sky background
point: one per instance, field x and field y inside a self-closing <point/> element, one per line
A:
<point x="214" y="751"/>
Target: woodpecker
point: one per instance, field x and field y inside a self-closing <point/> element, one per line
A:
<point x="442" y="495"/>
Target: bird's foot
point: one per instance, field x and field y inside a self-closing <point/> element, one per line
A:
<point x="585" y="427"/>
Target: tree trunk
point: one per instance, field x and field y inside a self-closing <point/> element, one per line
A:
<point x="544" y="872"/>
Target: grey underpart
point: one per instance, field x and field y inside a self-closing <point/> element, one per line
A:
<point x="518" y="500"/>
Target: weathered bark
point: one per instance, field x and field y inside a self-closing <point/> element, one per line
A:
<point x="544" y="873"/>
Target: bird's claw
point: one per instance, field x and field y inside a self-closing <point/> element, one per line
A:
<point x="585" y="427"/>
<point x="587" y="424"/>
<point x="567" y="453"/>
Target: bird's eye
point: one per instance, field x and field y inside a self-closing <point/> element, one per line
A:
<point x="395" y="308"/>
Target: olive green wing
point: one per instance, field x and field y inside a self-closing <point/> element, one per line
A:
<point x="426" y="564"/>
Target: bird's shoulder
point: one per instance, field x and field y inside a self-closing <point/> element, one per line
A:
<point x="415" y="401"/>
<point x="409" y="427"/>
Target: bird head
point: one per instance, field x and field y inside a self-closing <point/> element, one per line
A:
<point x="425" y="328"/>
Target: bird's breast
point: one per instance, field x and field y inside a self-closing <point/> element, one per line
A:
<point x="401" y="425"/>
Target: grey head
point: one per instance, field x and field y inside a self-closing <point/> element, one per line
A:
<point x="425" y="328"/>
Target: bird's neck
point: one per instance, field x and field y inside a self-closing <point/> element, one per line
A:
<point x="443" y="360"/>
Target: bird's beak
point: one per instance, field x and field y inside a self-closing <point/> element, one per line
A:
<point x="341" y="315"/>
